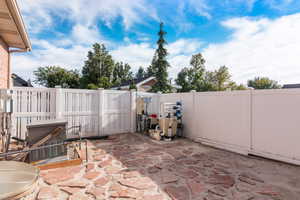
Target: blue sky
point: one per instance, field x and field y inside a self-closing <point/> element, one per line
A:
<point x="251" y="37"/>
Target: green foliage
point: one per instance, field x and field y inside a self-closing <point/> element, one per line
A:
<point x="92" y="86"/>
<point x="140" y="73"/>
<point x="98" y="68"/>
<point x="192" y="78"/>
<point x="152" y="70"/>
<point x="197" y="71"/>
<point x="197" y="78"/>
<point x="209" y="83"/>
<point x="132" y="85"/>
<point x="263" y="83"/>
<point x="235" y="86"/>
<point x="159" y="65"/>
<point x="222" y="78"/>
<point x="182" y="80"/>
<point x="104" y="82"/>
<point x="101" y="71"/>
<point x="122" y="72"/>
<point x="51" y="76"/>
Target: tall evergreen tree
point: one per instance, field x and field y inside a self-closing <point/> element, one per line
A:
<point x="98" y="68"/>
<point x="151" y="70"/>
<point x="159" y="66"/>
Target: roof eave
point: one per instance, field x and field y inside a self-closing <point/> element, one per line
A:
<point x="18" y="20"/>
<point x="145" y="81"/>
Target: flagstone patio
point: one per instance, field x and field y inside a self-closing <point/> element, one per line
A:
<point x="132" y="166"/>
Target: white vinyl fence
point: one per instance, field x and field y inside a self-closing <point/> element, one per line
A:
<point x="99" y="112"/>
<point x="30" y="105"/>
<point x="259" y="122"/>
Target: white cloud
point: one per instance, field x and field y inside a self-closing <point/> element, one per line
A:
<point x="201" y="7"/>
<point x="134" y="54"/>
<point x="39" y="14"/>
<point x="259" y="47"/>
<point x="85" y="35"/>
<point x="48" y="54"/>
<point x="177" y="63"/>
<point x="207" y="8"/>
<point x="184" y="46"/>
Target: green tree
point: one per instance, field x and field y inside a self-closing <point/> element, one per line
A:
<point x="132" y="85"/>
<point x="220" y="80"/>
<point x="263" y="83"/>
<point x="122" y="72"/>
<point x="197" y="71"/>
<point x="140" y="73"/>
<point x="192" y="78"/>
<point x="98" y="68"/>
<point x="233" y="86"/>
<point x="183" y="81"/>
<point x="152" y="70"/>
<point x="209" y="83"/>
<point x="51" y="76"/>
<point x="197" y="78"/>
<point x="159" y="66"/>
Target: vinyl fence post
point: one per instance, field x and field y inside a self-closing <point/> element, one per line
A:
<point x="100" y="111"/>
<point x="194" y="130"/>
<point x="133" y="111"/>
<point x="58" y="102"/>
<point x="158" y="103"/>
<point x="251" y="90"/>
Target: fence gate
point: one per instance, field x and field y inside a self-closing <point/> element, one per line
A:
<point x="79" y="107"/>
<point x="116" y="111"/>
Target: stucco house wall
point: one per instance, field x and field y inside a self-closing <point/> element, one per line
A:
<point x="4" y="65"/>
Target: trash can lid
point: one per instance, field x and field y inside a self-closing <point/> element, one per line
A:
<point x="47" y="123"/>
<point x="16" y="178"/>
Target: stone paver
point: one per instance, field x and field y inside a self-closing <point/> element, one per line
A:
<point x="132" y="166"/>
<point x="47" y="193"/>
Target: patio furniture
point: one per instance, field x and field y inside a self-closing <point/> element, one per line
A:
<point x="18" y="179"/>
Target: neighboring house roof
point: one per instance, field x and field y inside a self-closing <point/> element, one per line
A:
<point x="12" y="28"/>
<point x="137" y="82"/>
<point x="19" y="82"/>
<point x="289" y="86"/>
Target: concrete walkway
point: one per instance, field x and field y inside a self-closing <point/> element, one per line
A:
<point x="131" y="166"/>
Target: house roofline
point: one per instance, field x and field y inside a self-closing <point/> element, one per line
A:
<point x="18" y="20"/>
<point x="137" y="85"/>
<point x="146" y="80"/>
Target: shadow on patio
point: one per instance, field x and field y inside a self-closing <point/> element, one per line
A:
<point x="131" y="166"/>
